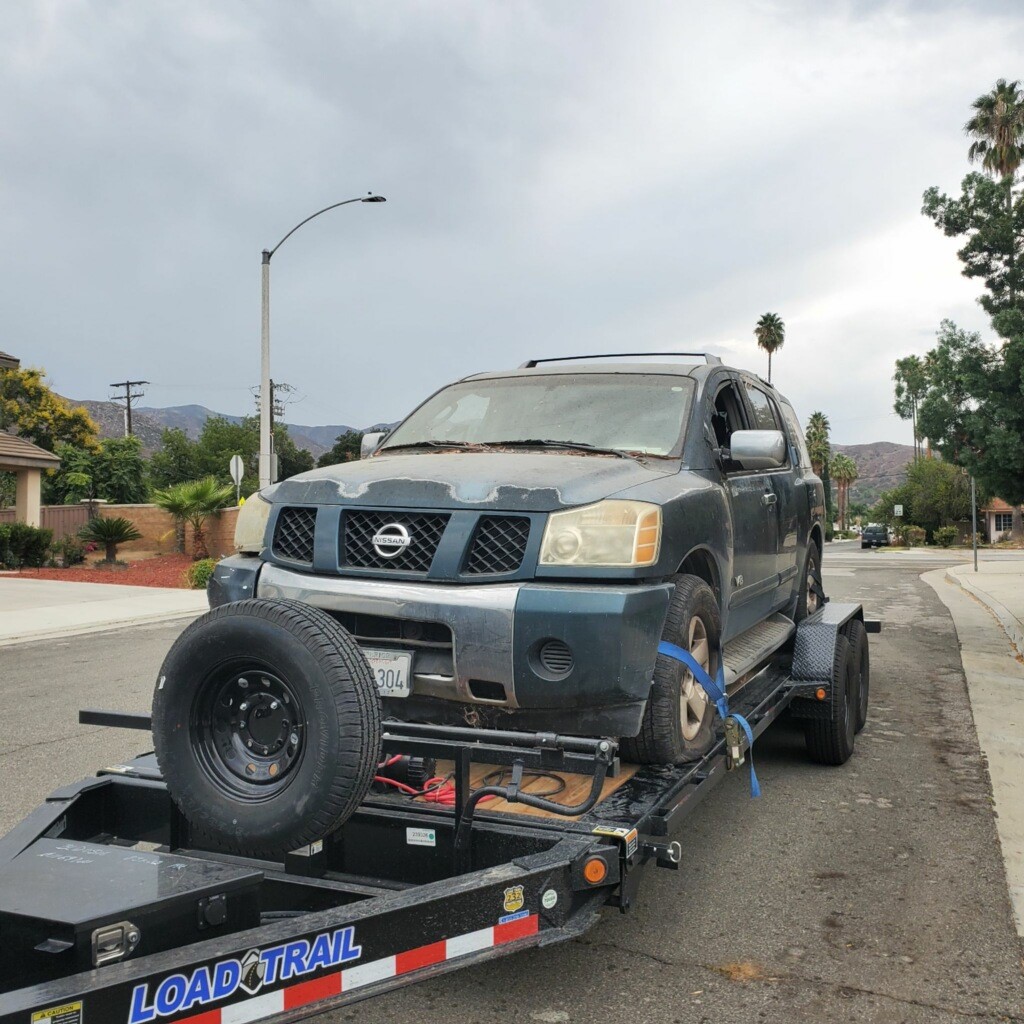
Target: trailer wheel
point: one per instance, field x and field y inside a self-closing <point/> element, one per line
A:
<point x="266" y="723"/>
<point x="679" y="720"/>
<point x="858" y="638"/>
<point x="830" y="740"/>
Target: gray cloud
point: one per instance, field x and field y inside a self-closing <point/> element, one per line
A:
<point x="562" y="177"/>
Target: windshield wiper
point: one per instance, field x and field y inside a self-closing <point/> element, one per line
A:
<point x="534" y="442"/>
<point x="468" y="446"/>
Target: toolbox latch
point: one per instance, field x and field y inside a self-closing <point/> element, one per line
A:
<point x="113" y="942"/>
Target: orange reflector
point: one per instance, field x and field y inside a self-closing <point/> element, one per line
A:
<point x="595" y="870"/>
<point x="820" y="693"/>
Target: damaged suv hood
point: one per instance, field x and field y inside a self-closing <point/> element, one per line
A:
<point x="511" y="481"/>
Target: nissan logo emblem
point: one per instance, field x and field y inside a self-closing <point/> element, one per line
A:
<point x="391" y="540"/>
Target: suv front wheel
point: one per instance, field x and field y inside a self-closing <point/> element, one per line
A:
<point x="679" y="720"/>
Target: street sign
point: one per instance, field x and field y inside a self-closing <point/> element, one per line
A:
<point x="237" y="470"/>
<point x="897" y="510"/>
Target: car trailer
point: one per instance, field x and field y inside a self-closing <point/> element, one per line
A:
<point x="111" y="912"/>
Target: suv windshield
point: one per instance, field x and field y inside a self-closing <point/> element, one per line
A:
<point x="624" y="411"/>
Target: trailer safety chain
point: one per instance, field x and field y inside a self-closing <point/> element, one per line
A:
<point x="715" y="689"/>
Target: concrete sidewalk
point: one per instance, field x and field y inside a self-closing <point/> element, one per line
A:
<point x="999" y="586"/>
<point x="988" y="611"/>
<point x="42" y="609"/>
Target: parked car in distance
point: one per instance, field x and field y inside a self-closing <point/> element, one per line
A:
<point x="874" y="536"/>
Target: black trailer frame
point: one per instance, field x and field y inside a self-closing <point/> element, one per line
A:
<point x="403" y="891"/>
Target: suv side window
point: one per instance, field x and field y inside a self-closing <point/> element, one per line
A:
<point x="727" y="418"/>
<point x="765" y="417"/>
<point x="796" y="435"/>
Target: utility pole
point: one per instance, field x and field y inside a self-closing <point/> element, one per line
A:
<point x="276" y="411"/>
<point x="128" y="397"/>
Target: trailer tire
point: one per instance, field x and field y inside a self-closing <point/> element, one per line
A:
<point x="679" y="719"/>
<point x="830" y="740"/>
<point x="857" y="635"/>
<point x="266" y="724"/>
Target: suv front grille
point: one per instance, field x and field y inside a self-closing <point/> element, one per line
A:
<point x="293" y="535"/>
<point x="425" y="530"/>
<point x="498" y="546"/>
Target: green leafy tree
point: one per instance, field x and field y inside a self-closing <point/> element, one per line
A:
<point x="30" y="409"/>
<point x="346" y="449"/>
<point x="175" y="460"/>
<point x="973" y="411"/>
<point x="935" y="494"/>
<point x="193" y="502"/>
<point x="115" y="471"/>
<point x="770" y="332"/>
<point x="818" y="445"/>
<point x="220" y="439"/>
<point x="911" y="380"/>
<point x="110" y="533"/>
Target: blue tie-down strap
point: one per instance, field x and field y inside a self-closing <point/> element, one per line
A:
<point x="715" y="689"/>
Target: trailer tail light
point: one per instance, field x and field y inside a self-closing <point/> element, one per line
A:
<point x="595" y="870"/>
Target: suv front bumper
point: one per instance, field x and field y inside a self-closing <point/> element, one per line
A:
<point x="498" y="630"/>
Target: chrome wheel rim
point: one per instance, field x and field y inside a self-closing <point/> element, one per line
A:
<point x="693" y="701"/>
<point x="811" y="593"/>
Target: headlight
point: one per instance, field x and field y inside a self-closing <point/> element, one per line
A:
<point x="610" y="533"/>
<point x="251" y="525"/>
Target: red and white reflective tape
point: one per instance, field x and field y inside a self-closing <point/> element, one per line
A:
<point x="291" y="997"/>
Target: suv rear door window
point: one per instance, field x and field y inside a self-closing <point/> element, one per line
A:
<point x="765" y="417"/>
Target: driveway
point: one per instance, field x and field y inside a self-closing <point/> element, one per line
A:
<point x="37" y="609"/>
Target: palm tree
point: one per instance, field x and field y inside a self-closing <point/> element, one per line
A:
<point x="911" y="379"/>
<point x="818" y="446"/>
<point x="844" y="469"/>
<point x="770" y="332"/>
<point x="997" y="129"/>
<point x="193" y="502"/>
<point x="110" y="533"/>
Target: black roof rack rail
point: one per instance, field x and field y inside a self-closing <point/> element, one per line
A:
<point x="712" y="360"/>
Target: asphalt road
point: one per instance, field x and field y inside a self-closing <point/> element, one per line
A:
<point x="871" y="892"/>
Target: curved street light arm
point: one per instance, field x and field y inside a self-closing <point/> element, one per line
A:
<point x="267" y="253"/>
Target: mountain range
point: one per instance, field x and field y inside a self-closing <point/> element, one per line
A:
<point x="881" y="465"/>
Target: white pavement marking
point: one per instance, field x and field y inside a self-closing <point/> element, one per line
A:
<point x="995" y="683"/>
<point x="45" y="609"/>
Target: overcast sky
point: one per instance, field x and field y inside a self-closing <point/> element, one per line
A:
<point x="562" y="177"/>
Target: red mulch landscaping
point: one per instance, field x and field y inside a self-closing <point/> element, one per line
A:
<point x="165" y="571"/>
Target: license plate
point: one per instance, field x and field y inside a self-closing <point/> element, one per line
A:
<point x="392" y="671"/>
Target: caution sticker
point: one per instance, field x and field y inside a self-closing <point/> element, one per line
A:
<point x="69" y="1013"/>
<point x="628" y="836"/>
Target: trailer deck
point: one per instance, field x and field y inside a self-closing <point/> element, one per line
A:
<point x="112" y="910"/>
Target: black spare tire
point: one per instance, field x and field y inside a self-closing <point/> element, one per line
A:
<point x="266" y="723"/>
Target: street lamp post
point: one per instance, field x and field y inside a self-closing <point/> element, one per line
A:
<point x="266" y="439"/>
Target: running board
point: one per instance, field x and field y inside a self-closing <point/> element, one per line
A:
<point x="752" y="649"/>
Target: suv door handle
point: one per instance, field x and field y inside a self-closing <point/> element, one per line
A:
<point x="769" y="499"/>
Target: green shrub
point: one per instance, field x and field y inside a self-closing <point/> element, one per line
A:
<point x="69" y="550"/>
<point x="23" y="545"/>
<point x="110" y="533"/>
<point x="199" y="573"/>
<point x="945" y="535"/>
<point x="915" y="535"/>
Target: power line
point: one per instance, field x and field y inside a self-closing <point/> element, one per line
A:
<point x="128" y="397"/>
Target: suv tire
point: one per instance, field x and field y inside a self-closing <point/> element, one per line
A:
<point x="808" y="598"/>
<point x="266" y="723"/>
<point x="679" y="720"/>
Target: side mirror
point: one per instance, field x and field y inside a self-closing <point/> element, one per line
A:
<point x="758" y="449"/>
<point x="370" y="443"/>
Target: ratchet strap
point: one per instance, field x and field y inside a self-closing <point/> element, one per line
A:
<point x="715" y="689"/>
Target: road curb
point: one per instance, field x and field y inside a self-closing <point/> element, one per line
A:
<point x="1011" y="625"/>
